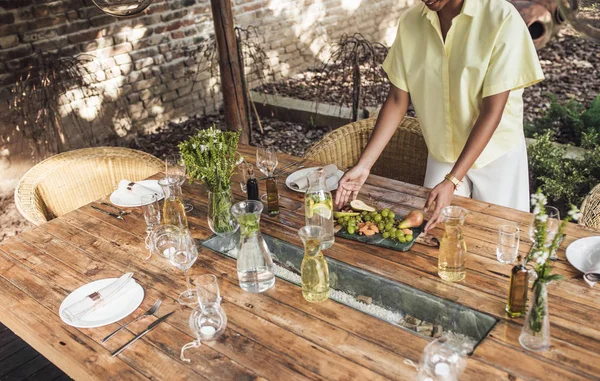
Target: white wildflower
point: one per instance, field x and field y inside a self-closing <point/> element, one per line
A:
<point x="536" y="209"/>
<point x="542" y="218"/>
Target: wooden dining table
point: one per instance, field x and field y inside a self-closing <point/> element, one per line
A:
<point x="277" y="335"/>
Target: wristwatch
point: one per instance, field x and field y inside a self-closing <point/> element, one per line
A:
<point x="453" y="180"/>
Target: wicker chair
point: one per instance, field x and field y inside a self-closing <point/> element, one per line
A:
<point x="590" y="209"/>
<point x="69" y="180"/>
<point x="404" y="158"/>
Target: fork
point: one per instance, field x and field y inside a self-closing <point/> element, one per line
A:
<point x="151" y="311"/>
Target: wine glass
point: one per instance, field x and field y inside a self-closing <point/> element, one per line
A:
<point x="266" y="160"/>
<point x="175" y="168"/>
<point x="243" y="171"/>
<point x="183" y="257"/>
<point x="208" y="321"/>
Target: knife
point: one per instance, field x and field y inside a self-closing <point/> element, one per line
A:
<point x="107" y="212"/>
<point x="140" y="335"/>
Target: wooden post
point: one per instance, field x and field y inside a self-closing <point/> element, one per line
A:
<point x="231" y="71"/>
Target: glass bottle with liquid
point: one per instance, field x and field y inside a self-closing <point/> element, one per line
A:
<point x="173" y="208"/>
<point x="251" y="184"/>
<point x="254" y="262"/>
<point x="318" y="207"/>
<point x="517" y="295"/>
<point x="272" y="196"/>
<point x="453" y="248"/>
<point x="314" y="270"/>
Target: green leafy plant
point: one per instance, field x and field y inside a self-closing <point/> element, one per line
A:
<point x="211" y="157"/>
<point x="570" y="123"/>
<point x="540" y="257"/>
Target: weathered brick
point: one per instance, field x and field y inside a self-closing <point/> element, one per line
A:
<point x="121" y="59"/>
<point x="144" y="62"/>
<point x="135" y="107"/>
<point x="87" y="35"/>
<point x="46" y="22"/>
<point x="7" y="18"/>
<point x="112" y="51"/>
<point x="49" y="45"/>
<point x="144" y="84"/>
<point x="135" y="76"/>
<point x="185" y="90"/>
<point x="9" y="41"/>
<point x="14" y="53"/>
<point x="103" y="19"/>
<point x="139" y="54"/>
<point x="145" y="95"/>
<point x="126" y="69"/>
<point x="169" y="96"/>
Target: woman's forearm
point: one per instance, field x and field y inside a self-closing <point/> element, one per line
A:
<point x="391" y="114"/>
<point x="491" y="113"/>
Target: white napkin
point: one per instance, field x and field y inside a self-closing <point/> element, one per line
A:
<point x="594" y="270"/>
<point x="302" y="182"/>
<point x="134" y="188"/>
<point x="117" y="288"/>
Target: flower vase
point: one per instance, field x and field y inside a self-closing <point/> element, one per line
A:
<point x="220" y="219"/>
<point x="535" y="335"/>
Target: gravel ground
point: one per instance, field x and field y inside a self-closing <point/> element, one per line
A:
<point x="571" y="66"/>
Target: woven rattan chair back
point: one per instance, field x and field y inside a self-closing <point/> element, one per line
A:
<point x="404" y="158"/>
<point x="590" y="209"/>
<point x="69" y="180"/>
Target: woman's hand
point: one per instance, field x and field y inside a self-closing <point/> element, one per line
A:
<point x="441" y="197"/>
<point x="350" y="185"/>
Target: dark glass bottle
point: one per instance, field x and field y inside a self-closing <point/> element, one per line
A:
<point x="252" y="185"/>
<point x="517" y="295"/>
<point x="272" y="196"/>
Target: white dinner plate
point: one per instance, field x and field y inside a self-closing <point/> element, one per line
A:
<point x="113" y="311"/>
<point x="129" y="200"/>
<point x="331" y="182"/>
<point x="584" y="253"/>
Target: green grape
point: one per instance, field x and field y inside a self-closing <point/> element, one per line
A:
<point x="384" y="213"/>
<point x="380" y="226"/>
<point x="402" y="239"/>
<point x="351" y="229"/>
<point x="364" y="213"/>
<point x="389" y="226"/>
<point x="399" y="234"/>
<point x="377" y="218"/>
<point x="386" y="235"/>
<point x="409" y="238"/>
<point x="368" y="218"/>
<point x="393" y="231"/>
<point x="391" y="215"/>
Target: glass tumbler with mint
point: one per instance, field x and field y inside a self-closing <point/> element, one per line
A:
<point x="254" y="262"/>
<point x="318" y="207"/>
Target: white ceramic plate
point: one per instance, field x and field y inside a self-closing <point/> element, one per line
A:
<point x="331" y="182"/>
<point x="128" y="200"/>
<point x="116" y="310"/>
<point x="584" y="253"/>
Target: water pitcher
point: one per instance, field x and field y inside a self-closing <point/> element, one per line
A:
<point x="314" y="270"/>
<point x="318" y="207"/>
<point x="453" y="248"/>
<point x="254" y="262"/>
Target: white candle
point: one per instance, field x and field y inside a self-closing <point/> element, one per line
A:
<point x="207" y="330"/>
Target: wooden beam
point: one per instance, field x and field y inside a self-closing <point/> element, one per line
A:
<point x="236" y="116"/>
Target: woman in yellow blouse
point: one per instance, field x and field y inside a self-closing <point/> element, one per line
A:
<point x="464" y="64"/>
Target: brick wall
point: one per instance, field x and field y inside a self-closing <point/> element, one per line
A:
<point x="142" y="60"/>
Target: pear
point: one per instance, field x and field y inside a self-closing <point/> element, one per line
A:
<point x="360" y="206"/>
<point x="414" y="219"/>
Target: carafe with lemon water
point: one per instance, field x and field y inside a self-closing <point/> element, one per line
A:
<point x="453" y="248"/>
<point x="173" y="208"/>
<point x="318" y="207"/>
<point x="314" y="269"/>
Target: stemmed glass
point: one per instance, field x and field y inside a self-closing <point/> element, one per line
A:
<point x="176" y="169"/>
<point x="266" y="160"/>
<point x="243" y="171"/>
<point x="183" y="257"/>
<point x="151" y="210"/>
<point x="208" y="321"/>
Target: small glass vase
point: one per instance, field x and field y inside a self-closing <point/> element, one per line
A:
<point x="254" y="262"/>
<point x="535" y="335"/>
<point x="220" y="219"/>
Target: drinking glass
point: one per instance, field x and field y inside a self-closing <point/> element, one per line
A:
<point x="266" y="160"/>
<point x="164" y="240"/>
<point x="176" y="169"/>
<point x="507" y="246"/>
<point x="208" y="321"/>
<point x="183" y="257"/>
<point x="243" y="169"/>
<point x="151" y="210"/>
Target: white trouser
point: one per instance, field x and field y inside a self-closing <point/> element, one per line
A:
<point x="504" y="181"/>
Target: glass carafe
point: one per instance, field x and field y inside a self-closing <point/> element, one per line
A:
<point x="254" y="262"/>
<point x="208" y="321"/>
<point x="314" y="270"/>
<point x="173" y="209"/>
<point x="318" y="207"/>
<point x="453" y="248"/>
